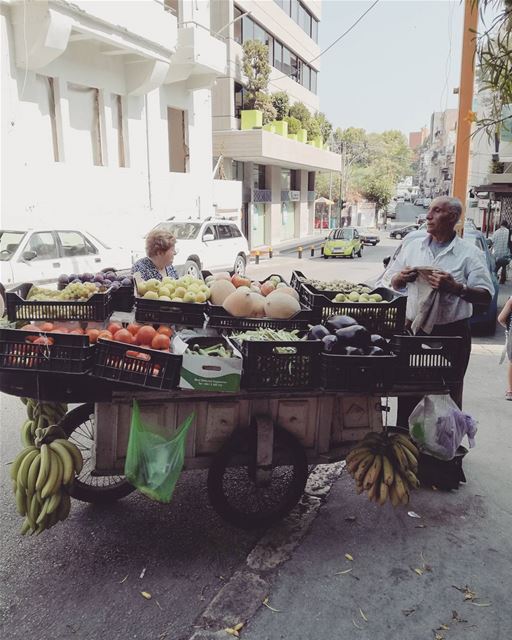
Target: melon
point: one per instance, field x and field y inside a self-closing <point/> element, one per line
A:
<point x="281" y="306"/>
<point x="267" y="287"/>
<point x="258" y="305"/>
<point x="286" y="290"/>
<point x="220" y="290"/>
<point x="222" y="275"/>
<point x="239" y="304"/>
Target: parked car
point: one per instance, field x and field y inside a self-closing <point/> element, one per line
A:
<point x="483" y="319"/>
<point x="403" y="231"/>
<point x="400" y="199"/>
<point x="418" y="202"/>
<point x="212" y="243"/>
<point x="368" y="236"/>
<point x="41" y="255"/>
<point x="343" y="242"/>
<point x="426" y="203"/>
<point x="421" y="218"/>
<point x="391" y="209"/>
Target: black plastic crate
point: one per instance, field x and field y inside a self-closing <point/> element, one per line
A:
<point x="97" y="308"/>
<point x="428" y="359"/>
<point x="67" y="353"/>
<point x="265" y="366"/>
<point x="123" y="299"/>
<point x="442" y="474"/>
<point x="138" y="366"/>
<point x="219" y="318"/>
<point x="190" y="314"/>
<point x="357" y="373"/>
<point x="385" y="318"/>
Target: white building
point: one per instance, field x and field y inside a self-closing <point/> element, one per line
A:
<point x="278" y="174"/>
<point x="437" y="157"/>
<point x="106" y="114"/>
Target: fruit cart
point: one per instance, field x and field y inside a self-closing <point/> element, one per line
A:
<point x="297" y="405"/>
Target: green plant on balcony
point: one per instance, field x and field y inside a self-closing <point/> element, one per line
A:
<point x="264" y="104"/>
<point x="497" y="167"/>
<point x="314" y="131"/>
<point x="281" y="102"/>
<point x="301" y="112"/>
<point x="294" y="125"/>
<point x="256" y="69"/>
<point x="325" y="126"/>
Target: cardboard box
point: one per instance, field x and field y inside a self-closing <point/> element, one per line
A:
<point x="208" y="373"/>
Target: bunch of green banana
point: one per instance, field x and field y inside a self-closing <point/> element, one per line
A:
<point x="41" y="478"/>
<point x="40" y="415"/>
<point x="385" y="466"/>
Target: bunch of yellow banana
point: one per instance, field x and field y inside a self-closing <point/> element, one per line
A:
<point x="385" y="466"/>
<point x="40" y="415"/>
<point x="41" y="477"/>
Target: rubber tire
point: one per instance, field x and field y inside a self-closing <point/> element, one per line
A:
<point x="191" y="268"/>
<point x="360" y="252"/>
<point x="353" y="254"/>
<point x="242" y="439"/>
<point x="398" y="236"/>
<point x="243" y="262"/>
<point x="81" y="490"/>
<point x="325" y="257"/>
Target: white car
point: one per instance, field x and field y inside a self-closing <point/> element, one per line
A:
<point x="41" y="255"/>
<point x="426" y="202"/>
<point x="212" y="243"/>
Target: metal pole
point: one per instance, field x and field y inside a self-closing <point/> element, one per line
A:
<point x="464" y="121"/>
<point x="330" y="198"/>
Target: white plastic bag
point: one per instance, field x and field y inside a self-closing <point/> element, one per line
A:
<point x="438" y="426"/>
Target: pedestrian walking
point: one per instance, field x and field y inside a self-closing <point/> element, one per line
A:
<point x="501" y="249"/>
<point x="505" y="319"/>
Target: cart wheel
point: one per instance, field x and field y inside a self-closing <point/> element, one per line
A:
<point x="78" y="425"/>
<point x="232" y="487"/>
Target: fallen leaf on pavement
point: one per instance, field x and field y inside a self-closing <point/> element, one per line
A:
<point x="146" y="594"/>
<point x="232" y="632"/>
<point x="123" y="580"/>
<point x="340" y="573"/>
<point x="355" y="624"/>
<point x="238" y="626"/>
<point x="443" y="627"/>
<point x="349" y="557"/>
<point x="482" y="604"/>
<point x="418" y="571"/>
<point x="413" y="514"/>
<point x="265" y="602"/>
<point x="362" y="615"/>
<point x="142" y="573"/>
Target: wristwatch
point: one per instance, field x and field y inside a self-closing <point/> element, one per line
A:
<point x="463" y="292"/>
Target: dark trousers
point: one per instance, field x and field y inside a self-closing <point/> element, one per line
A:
<point x="502" y="263"/>
<point x="460" y="328"/>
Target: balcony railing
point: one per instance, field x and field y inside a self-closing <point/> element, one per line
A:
<point x="257" y="195"/>
<point x="290" y="196"/>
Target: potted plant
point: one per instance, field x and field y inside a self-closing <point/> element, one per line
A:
<point x="257" y="72"/>
<point x="281" y="102"/>
<point x="281" y="127"/>
<point x="293" y="127"/>
<point x="302" y="135"/>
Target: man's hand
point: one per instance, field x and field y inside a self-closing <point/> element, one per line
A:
<point x="444" y="282"/>
<point x="400" y="279"/>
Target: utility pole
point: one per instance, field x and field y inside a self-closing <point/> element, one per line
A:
<point x="464" y="120"/>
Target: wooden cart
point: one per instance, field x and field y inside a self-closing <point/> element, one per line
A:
<point x="257" y="446"/>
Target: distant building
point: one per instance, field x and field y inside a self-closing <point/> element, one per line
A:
<point x="437" y="155"/>
<point x="417" y="138"/>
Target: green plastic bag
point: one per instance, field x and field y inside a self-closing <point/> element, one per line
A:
<point x="154" y="462"/>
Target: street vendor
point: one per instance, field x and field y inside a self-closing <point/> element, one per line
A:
<point x="457" y="271"/>
<point x="160" y="253"/>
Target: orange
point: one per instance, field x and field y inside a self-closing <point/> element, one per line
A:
<point x="161" y="342"/>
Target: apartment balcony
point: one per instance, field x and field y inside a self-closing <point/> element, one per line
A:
<point x="144" y="35"/>
<point x="200" y="58"/>
<point x="264" y="147"/>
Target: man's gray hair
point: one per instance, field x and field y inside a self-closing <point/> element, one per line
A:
<point x="453" y="205"/>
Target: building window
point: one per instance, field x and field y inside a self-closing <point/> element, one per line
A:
<point x="313" y="84"/>
<point x="85" y="117"/>
<point x="237" y="26"/>
<point x="299" y="14"/>
<point x="238" y="170"/>
<point x="311" y="180"/>
<point x="239" y="99"/>
<point x="247" y="29"/>
<point x="286" y="179"/>
<point x="258" y="176"/>
<point x="278" y="55"/>
<point x="178" y="149"/>
<point x="119" y="126"/>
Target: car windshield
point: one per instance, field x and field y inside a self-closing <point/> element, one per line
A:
<point x="181" y="230"/>
<point x="9" y="242"/>
<point x="341" y="234"/>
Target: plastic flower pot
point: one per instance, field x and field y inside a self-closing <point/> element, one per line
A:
<point x="269" y="127"/>
<point x="251" y="119"/>
<point x="292" y="136"/>
<point x="281" y="127"/>
<point x="319" y="142"/>
<point x="302" y="135"/>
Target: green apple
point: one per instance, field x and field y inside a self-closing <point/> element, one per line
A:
<point x="189" y="296"/>
<point x="164" y="291"/>
<point x="152" y="284"/>
<point x="167" y="298"/>
<point x="167" y="280"/>
<point x="180" y="292"/>
<point x="194" y="287"/>
<point x="141" y="288"/>
<point x="376" y="297"/>
<point x="151" y="295"/>
<point x="201" y="296"/>
<point x="353" y="296"/>
<point x="340" y="297"/>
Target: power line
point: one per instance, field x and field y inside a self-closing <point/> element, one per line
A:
<point x="345" y="33"/>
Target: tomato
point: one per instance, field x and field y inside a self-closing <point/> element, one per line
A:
<point x="113" y="327"/>
<point x="164" y="330"/>
<point x="77" y="332"/>
<point x="93" y="335"/>
<point x="138" y="355"/>
<point x="133" y="328"/>
<point x="43" y="340"/>
<point x="161" y="342"/>
<point x="123" y="335"/>
<point x="145" y="335"/>
<point x="106" y="335"/>
<point x="47" y="326"/>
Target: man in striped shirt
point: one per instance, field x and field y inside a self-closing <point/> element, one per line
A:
<point x="501" y="249"/>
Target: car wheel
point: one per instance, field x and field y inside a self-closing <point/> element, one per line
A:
<point x="360" y="252"/>
<point x="325" y="257"/>
<point x="240" y="264"/>
<point x="353" y="254"/>
<point x="398" y="236"/>
<point x="191" y="268"/>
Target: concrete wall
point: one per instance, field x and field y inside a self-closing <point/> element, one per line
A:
<point x="113" y="202"/>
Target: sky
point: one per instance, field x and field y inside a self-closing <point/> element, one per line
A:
<point x="396" y="67"/>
